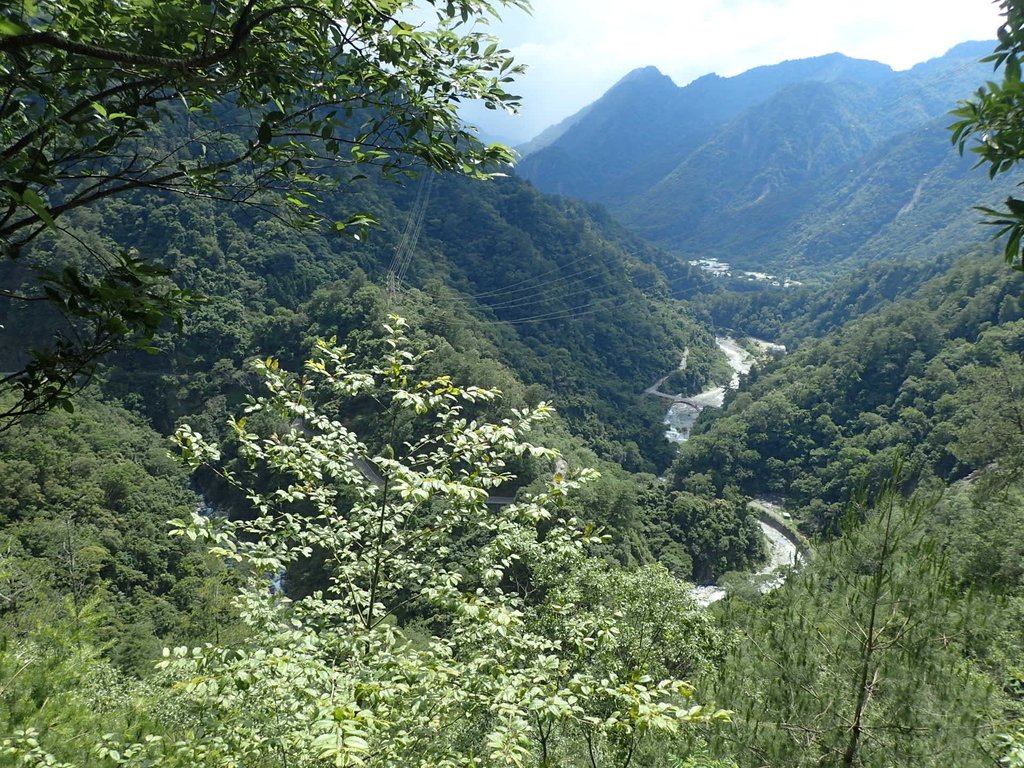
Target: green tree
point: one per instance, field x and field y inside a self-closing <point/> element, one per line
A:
<point x="231" y="100"/>
<point x="444" y="635"/>
<point x="994" y="120"/>
<point x="860" y="659"/>
<point x="993" y="434"/>
<point x="86" y="500"/>
<point x="1014" y="750"/>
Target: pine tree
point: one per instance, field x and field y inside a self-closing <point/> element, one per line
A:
<point x="859" y="661"/>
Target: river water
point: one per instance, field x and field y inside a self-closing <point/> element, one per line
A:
<point x="782" y="553"/>
<point x="679" y="421"/>
<point x="681" y="416"/>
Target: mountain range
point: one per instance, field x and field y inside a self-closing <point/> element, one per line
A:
<point x="827" y="161"/>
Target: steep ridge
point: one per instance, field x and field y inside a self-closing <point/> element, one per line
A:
<point x="757" y="172"/>
<point x="906" y="198"/>
<point x="573" y="303"/>
<point x="826" y="162"/>
<point x="645" y="125"/>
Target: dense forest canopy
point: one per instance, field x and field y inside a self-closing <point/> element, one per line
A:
<point x="233" y="102"/>
<point x="419" y="507"/>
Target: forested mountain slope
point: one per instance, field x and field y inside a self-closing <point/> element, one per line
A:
<point x="801" y="313"/>
<point x="756" y="172"/>
<point x="543" y="299"/>
<point x="555" y="290"/>
<point x="917" y="378"/>
<point x="820" y="167"/>
<point x="86" y="500"/>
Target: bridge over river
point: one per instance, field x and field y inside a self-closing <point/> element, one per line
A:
<point x="785" y="548"/>
<point x="684" y="409"/>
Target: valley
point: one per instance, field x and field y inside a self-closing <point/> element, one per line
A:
<point x="724" y="269"/>
<point x="683" y="410"/>
<point x="690" y="439"/>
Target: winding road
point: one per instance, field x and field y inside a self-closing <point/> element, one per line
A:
<point x="783" y="550"/>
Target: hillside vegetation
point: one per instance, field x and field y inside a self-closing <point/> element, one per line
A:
<point x="800" y="167"/>
<point x="324" y="437"/>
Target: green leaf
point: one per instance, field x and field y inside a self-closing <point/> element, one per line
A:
<point x="35" y="202"/>
<point x="1012" y="71"/>
<point x="9" y="27"/>
<point x="265" y="133"/>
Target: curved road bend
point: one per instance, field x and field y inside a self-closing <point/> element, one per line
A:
<point x="370" y="473"/>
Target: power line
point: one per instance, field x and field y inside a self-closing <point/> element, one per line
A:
<point x="403" y="240"/>
<point x="530" y="279"/>
<point x="594" y="281"/>
<point x="541" y="294"/>
<point x="410" y="236"/>
<point x="606" y="303"/>
<point x="414" y="237"/>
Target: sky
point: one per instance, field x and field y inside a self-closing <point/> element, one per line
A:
<point x="577" y="49"/>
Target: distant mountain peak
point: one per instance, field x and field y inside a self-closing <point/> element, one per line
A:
<point x="648" y="81"/>
<point x="649" y="74"/>
<point x="654" y="152"/>
<point x="970" y="49"/>
<point x="825" y="68"/>
<point x="973" y="50"/>
<point x="710" y="77"/>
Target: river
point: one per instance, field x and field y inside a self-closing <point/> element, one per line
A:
<point x="782" y="553"/>
<point x="679" y="421"/>
<point x="681" y="416"/>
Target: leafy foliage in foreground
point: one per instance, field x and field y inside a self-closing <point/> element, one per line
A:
<point x="231" y="101"/>
<point x="416" y="652"/>
<point x="992" y="119"/>
<point x="85" y="499"/>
